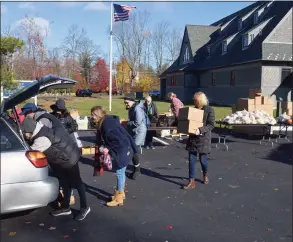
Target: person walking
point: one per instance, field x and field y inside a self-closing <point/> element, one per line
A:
<point x="136" y="127"/>
<point x="176" y="104"/>
<point x="116" y="141"/>
<point x="199" y="143"/>
<point x="63" y="156"/>
<point x="152" y="116"/>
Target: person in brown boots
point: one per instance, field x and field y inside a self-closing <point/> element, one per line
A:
<point x="199" y="143"/>
<point x="117" y="142"/>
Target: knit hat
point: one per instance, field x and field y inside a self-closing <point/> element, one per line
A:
<point x="130" y="97"/>
<point x="28" y="125"/>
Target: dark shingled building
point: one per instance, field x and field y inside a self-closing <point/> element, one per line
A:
<point x="251" y="48"/>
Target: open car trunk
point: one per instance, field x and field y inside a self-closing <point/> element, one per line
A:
<point x="42" y="84"/>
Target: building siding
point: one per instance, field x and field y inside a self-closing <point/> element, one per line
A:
<point x="283" y="31"/>
<point x="271" y="81"/>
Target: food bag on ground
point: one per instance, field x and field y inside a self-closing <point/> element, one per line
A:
<point x="284" y="118"/>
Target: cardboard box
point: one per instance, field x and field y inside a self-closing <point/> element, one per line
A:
<point x="264" y="100"/>
<point x="286" y="105"/>
<point x="258" y="107"/>
<point x="270" y="101"/>
<point x="258" y="100"/>
<point x="253" y="91"/>
<point x="289" y="111"/>
<point x="189" y="113"/>
<point x="244" y="103"/>
<point x="259" y="94"/>
<point x="234" y="108"/>
<point x="268" y="109"/>
<point x="188" y="126"/>
<point x="250" y="108"/>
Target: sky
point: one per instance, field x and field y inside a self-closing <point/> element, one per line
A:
<point x="94" y="17"/>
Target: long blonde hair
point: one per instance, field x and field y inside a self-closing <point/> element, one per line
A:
<point x="201" y="99"/>
<point x="101" y="114"/>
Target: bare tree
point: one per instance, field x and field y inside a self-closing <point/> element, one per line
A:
<point x="72" y="44"/>
<point x="159" y="37"/>
<point x="130" y="37"/>
<point x="87" y="57"/>
<point x="55" y="60"/>
<point x="173" y="44"/>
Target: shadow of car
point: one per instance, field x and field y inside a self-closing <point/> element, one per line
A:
<point x="25" y="180"/>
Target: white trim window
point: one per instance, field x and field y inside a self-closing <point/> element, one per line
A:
<point x="255" y="18"/>
<point x="186" y="56"/>
<point x="224" y="47"/>
<point x="244" y="41"/>
<point x="239" y="24"/>
<point x="251" y="37"/>
<point x="208" y="50"/>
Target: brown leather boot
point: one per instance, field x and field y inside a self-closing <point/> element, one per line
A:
<point x="190" y="185"/>
<point x="205" y="179"/>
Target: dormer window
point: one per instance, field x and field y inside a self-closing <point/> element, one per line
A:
<point x="255" y="18"/>
<point x="224" y="47"/>
<point x="186" y="55"/>
<point x="239" y="24"/>
<point x="208" y="50"/>
<point x="244" y="41"/>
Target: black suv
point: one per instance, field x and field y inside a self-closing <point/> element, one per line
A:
<point x="83" y="93"/>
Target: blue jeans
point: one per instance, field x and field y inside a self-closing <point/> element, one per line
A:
<point x="192" y="163"/>
<point x="121" y="177"/>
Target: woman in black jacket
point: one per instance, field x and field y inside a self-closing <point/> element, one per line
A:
<point x="152" y="114"/>
<point x="199" y="143"/>
<point x="116" y="141"/>
<point x="60" y="111"/>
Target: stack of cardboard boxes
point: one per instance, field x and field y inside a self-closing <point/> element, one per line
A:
<point x="189" y="119"/>
<point x="256" y="101"/>
<point x="287" y="108"/>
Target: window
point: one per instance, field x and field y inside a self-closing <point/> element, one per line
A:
<point x="186" y="55"/>
<point x="213" y="79"/>
<point x="9" y="142"/>
<point x="173" y="81"/>
<point x="209" y="50"/>
<point x="251" y="37"/>
<point x="255" y="18"/>
<point x="244" y="41"/>
<point x="224" y="47"/>
<point x="232" y="78"/>
<point x="239" y="24"/>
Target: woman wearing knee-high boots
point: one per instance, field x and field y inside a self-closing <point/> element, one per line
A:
<point x="116" y="141"/>
<point x="199" y="143"/>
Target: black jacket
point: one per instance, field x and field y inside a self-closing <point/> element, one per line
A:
<point x="154" y="114"/>
<point x="67" y="121"/>
<point x="202" y="143"/>
<point x="63" y="152"/>
<point x="120" y="144"/>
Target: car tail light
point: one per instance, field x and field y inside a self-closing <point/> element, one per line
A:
<point x="38" y="159"/>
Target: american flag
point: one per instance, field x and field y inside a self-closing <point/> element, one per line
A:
<point x="122" y="12"/>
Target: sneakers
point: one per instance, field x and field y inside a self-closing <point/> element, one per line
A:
<point x="150" y="147"/>
<point x="61" y="212"/>
<point x="83" y="213"/>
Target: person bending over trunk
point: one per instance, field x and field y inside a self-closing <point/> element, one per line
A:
<point x="63" y="156"/>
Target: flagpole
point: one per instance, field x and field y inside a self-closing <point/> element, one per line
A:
<point x="111" y="65"/>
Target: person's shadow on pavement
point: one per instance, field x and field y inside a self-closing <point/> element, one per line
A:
<point x="100" y="194"/>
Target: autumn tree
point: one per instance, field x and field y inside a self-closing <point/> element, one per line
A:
<point x="9" y="46"/>
<point x="99" y="76"/>
<point x="130" y="37"/>
<point x="123" y="74"/>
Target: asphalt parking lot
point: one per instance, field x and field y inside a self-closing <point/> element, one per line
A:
<point x="249" y="198"/>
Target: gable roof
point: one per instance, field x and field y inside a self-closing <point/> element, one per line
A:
<point x="202" y="36"/>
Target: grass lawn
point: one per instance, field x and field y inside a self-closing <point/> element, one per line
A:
<point x="84" y="104"/>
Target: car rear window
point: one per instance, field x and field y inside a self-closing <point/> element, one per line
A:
<point x="9" y="141"/>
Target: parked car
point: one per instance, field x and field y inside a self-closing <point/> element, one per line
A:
<point x="155" y="93"/>
<point x="25" y="180"/>
<point x="84" y="93"/>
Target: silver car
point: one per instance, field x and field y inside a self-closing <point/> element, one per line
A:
<point x="25" y="180"/>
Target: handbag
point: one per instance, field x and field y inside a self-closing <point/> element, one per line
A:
<point x="106" y="161"/>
